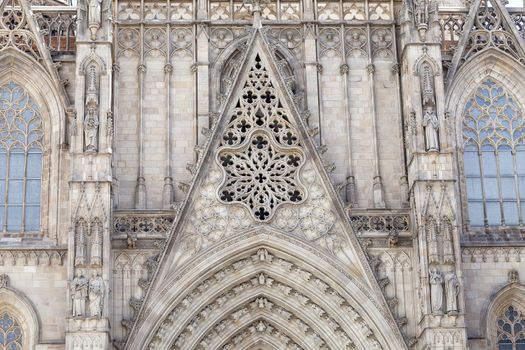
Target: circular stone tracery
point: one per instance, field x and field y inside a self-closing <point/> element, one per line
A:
<point x="261" y="175"/>
<point x="260" y="152"/>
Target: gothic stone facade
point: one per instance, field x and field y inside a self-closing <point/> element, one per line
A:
<point x="262" y="174"/>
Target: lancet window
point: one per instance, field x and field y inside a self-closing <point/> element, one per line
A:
<point x="511" y="329"/>
<point x="10" y="333"/>
<point x="494" y="157"/>
<point x="21" y="136"/>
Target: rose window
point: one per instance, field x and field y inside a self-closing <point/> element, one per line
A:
<point x="260" y="153"/>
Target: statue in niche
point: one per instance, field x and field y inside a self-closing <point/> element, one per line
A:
<point x="96" y="295"/>
<point x="79" y="291"/>
<point x="80" y="246"/>
<point x="91" y="120"/>
<point x="94" y="17"/>
<point x="421" y="12"/>
<point x="452" y="292"/>
<point x="428" y="101"/>
<point x="436" y="291"/>
<point x="431" y="126"/>
<point x="96" y="244"/>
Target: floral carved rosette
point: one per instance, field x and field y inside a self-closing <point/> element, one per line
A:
<point x="260" y="155"/>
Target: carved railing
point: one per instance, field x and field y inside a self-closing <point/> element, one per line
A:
<point x="385" y="222"/>
<point x="142" y="224"/>
<point x="283" y="11"/>
<point x="58" y="26"/>
<point x="451" y="25"/>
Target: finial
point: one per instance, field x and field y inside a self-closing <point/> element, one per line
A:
<point x="257" y="6"/>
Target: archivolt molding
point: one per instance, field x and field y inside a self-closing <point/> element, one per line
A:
<point x="17" y="304"/>
<point x="513" y="294"/>
<point x="207" y="233"/>
<point x="261" y="332"/>
<point x="268" y="287"/>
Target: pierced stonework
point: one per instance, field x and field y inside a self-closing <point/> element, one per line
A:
<point x="260" y="156"/>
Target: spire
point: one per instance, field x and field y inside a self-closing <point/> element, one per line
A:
<point x="257" y="6"/>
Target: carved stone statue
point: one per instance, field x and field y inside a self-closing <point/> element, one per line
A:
<point x="91" y="123"/>
<point x="79" y="291"/>
<point x="514" y="276"/>
<point x="131" y="240"/>
<point x="91" y="119"/>
<point x="96" y="295"/>
<point x="452" y="292"/>
<point x="421" y="12"/>
<point x="96" y="245"/>
<point x="94" y="17"/>
<point x="431" y="125"/>
<point x="436" y="291"/>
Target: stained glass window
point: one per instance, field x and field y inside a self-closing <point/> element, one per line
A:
<point x="10" y="333"/>
<point x="21" y="135"/>
<point x="510" y="330"/>
<point x="494" y="157"/>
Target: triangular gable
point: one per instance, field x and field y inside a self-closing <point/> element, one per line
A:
<point x="21" y="33"/>
<point x="261" y="172"/>
<point x="488" y="26"/>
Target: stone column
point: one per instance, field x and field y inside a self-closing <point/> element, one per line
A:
<point x="431" y="176"/>
<point x="87" y="323"/>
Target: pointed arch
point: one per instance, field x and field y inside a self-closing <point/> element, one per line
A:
<point x="307" y="291"/>
<point x="491" y="68"/>
<point x="16" y="305"/>
<point x="210" y="235"/>
<point x="231" y="58"/>
<point x="510" y="296"/>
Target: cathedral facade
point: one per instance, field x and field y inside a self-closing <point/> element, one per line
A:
<point x="262" y="174"/>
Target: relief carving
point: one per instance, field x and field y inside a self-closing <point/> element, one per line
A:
<point x="94" y="17"/>
<point x="91" y="119"/>
<point x="79" y="293"/>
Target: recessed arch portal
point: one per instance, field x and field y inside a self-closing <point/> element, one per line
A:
<point x="267" y="289"/>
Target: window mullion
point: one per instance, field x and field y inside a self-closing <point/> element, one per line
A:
<point x="24" y="185"/>
<point x="483" y="197"/>
<point x="517" y="186"/>
<point x="7" y="157"/>
<point x="498" y="181"/>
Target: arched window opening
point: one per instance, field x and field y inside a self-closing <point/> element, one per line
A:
<point x="11" y="335"/>
<point x="21" y="136"/>
<point x="494" y="157"/>
<point x="511" y="329"/>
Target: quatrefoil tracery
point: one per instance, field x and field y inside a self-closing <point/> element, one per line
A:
<point x="261" y="175"/>
<point x="260" y="152"/>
